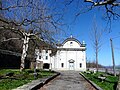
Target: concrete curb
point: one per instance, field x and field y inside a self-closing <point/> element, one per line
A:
<point x="92" y="83"/>
<point x="36" y="84"/>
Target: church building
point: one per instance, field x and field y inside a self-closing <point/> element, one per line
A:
<point x="70" y="55"/>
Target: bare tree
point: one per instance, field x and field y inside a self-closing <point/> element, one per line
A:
<point x="110" y="7"/>
<point x="25" y="37"/>
<point x="31" y="19"/>
<point x="12" y="45"/>
<point x="96" y="36"/>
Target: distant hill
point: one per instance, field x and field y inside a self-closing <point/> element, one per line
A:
<point x="93" y="65"/>
<point x="117" y="66"/>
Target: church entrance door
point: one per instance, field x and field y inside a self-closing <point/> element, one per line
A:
<point x="71" y="64"/>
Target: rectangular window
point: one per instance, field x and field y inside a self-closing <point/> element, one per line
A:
<point x="46" y="51"/>
<point x="46" y="57"/>
<point x="62" y="64"/>
<point x="40" y="51"/>
<point x="80" y="65"/>
<point x="39" y="57"/>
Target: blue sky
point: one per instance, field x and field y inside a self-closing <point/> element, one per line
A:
<point x="81" y="27"/>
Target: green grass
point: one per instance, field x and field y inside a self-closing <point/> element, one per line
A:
<point x="19" y="78"/>
<point x="108" y="84"/>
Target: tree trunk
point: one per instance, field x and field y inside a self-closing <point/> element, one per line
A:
<point x="24" y="52"/>
<point x="114" y="71"/>
<point x="32" y="64"/>
<point x="97" y="60"/>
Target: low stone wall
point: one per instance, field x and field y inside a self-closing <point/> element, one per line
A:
<point x="93" y="84"/>
<point x="36" y="84"/>
<point x="109" y="70"/>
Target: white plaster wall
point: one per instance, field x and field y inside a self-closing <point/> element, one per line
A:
<point x="78" y="56"/>
<point x="43" y="55"/>
<point x="64" y="57"/>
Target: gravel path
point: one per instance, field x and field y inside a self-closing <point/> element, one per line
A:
<point x="68" y="80"/>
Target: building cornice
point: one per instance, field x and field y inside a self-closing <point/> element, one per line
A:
<point x="71" y="39"/>
<point x="72" y="49"/>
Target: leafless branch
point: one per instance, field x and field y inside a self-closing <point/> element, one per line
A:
<point x="109" y="6"/>
<point x="5" y="40"/>
<point x="11" y="7"/>
<point x="82" y="11"/>
<point x="103" y="2"/>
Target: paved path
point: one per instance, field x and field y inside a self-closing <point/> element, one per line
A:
<point x="68" y="80"/>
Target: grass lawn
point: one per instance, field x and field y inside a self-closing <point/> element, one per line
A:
<point x="19" y="78"/>
<point x="108" y="84"/>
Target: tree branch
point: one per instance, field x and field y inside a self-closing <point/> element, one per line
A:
<point x="98" y="3"/>
<point x="5" y="40"/>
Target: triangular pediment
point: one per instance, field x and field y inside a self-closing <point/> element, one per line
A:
<point x="71" y="61"/>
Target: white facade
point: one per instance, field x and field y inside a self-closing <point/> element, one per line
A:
<point x="70" y="55"/>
